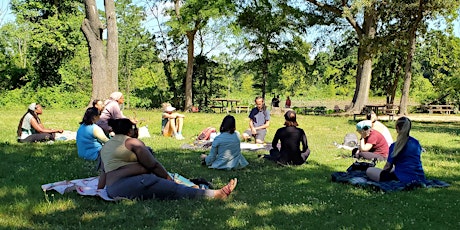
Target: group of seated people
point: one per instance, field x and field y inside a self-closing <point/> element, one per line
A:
<point x="403" y="157"/>
<point x="129" y="169"/>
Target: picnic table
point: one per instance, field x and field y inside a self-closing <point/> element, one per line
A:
<point x="443" y="109"/>
<point x="376" y="108"/>
<point x="223" y="103"/>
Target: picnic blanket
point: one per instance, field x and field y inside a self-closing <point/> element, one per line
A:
<point x="206" y="145"/>
<point x="360" y="179"/>
<point x="88" y="186"/>
<point x="84" y="187"/>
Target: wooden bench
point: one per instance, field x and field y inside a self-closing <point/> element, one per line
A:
<point x="238" y="108"/>
<point x="443" y="109"/>
<point x="220" y="108"/>
<point x="391" y="110"/>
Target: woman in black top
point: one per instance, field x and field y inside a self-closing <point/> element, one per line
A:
<point x="291" y="138"/>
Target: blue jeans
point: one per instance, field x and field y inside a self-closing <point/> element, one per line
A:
<point x="149" y="186"/>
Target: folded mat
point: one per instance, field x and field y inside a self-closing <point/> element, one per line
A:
<point x="360" y="179"/>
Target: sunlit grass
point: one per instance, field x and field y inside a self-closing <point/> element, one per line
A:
<point x="267" y="196"/>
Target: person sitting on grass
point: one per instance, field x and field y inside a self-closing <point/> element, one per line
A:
<point x="403" y="163"/>
<point x="291" y="138"/>
<point x="225" y="151"/>
<point x="172" y="122"/>
<point x="129" y="170"/>
<point x="380" y="127"/>
<point x="31" y="129"/>
<point x="259" y="121"/>
<point x="372" y="145"/>
<point x="90" y="136"/>
<point x="98" y="104"/>
<point x="112" y="111"/>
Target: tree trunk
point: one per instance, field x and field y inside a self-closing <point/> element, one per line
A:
<point x="410" y="55"/>
<point x="363" y="78"/>
<point x="265" y="64"/>
<point x="92" y="29"/>
<point x="366" y="36"/>
<point x="189" y="75"/>
<point x="407" y="76"/>
<point x="112" y="46"/>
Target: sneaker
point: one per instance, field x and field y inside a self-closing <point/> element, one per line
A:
<point x="179" y="137"/>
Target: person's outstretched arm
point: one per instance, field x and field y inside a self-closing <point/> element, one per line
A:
<point x="145" y="158"/>
<point x="41" y="129"/>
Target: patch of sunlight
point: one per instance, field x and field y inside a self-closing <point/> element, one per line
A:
<point x="14" y="222"/>
<point x="265" y="228"/>
<point x="16" y="191"/>
<point x="237" y="205"/>
<point x="92" y="216"/>
<point x="46" y="208"/>
<point x="235" y="222"/>
<point x="264" y="208"/>
<point x="295" y="208"/>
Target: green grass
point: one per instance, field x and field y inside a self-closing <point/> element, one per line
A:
<point x="267" y="196"/>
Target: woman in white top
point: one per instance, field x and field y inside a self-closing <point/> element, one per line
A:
<point x="31" y="129"/>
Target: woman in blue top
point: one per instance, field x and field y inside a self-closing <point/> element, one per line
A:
<point x="90" y="136"/>
<point x="225" y="151"/>
<point x="404" y="155"/>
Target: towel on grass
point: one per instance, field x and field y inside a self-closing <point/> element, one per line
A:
<point x="84" y="187"/>
<point x="88" y="186"/>
<point x="360" y="179"/>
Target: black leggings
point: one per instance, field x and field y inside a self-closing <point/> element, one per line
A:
<point x="38" y="137"/>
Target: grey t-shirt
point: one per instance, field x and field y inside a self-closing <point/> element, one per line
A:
<point x="259" y="117"/>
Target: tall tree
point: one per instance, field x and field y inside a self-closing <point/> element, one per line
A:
<point x="416" y="13"/>
<point x="53" y="36"/>
<point x="363" y="17"/>
<point x="263" y="39"/>
<point x="103" y="58"/>
<point x="187" y="18"/>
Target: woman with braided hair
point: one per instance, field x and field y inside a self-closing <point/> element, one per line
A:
<point x="403" y="163"/>
<point x="31" y="129"/>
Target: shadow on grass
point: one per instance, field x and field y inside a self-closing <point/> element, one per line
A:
<point x="451" y="128"/>
<point x="267" y="196"/>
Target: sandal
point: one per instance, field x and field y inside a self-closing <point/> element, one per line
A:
<point x="227" y="189"/>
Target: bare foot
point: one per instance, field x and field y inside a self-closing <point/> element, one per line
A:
<point x="225" y="191"/>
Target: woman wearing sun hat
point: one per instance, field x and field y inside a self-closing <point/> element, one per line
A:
<point x="372" y="144"/>
<point x="31" y="129"/>
<point x="291" y="137"/>
<point x="172" y="122"/>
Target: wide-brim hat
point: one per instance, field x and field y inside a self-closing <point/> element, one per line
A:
<point x="169" y="108"/>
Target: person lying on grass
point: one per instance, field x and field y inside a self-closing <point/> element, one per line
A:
<point x="404" y="155"/>
<point x="31" y="129"/>
<point x="225" y="151"/>
<point x="131" y="171"/>
<point x="372" y="144"/>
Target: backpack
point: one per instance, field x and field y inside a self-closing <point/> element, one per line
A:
<point x="206" y="133"/>
<point x="350" y="140"/>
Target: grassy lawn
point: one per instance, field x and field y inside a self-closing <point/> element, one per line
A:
<point x="267" y="196"/>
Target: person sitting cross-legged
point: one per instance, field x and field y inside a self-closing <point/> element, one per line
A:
<point x="226" y="151"/>
<point x="372" y="144"/>
<point x="31" y="129"/>
<point x="403" y="163"/>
